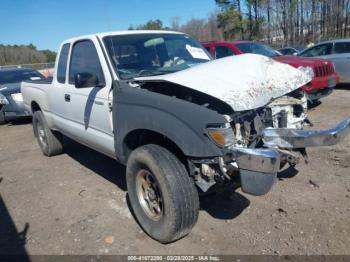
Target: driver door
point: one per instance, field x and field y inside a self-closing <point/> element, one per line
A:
<point x="88" y="106"/>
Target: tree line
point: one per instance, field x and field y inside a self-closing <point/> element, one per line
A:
<point x="24" y="54"/>
<point x="285" y="22"/>
<point x="276" y="22"/>
<point x="203" y="29"/>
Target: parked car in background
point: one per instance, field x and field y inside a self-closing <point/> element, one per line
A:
<point x="11" y="100"/>
<point x="337" y="51"/>
<point x="324" y="80"/>
<point x="290" y="50"/>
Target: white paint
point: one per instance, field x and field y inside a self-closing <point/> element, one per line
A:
<point x="244" y="82"/>
<point x="128" y="32"/>
<point x="35" y="78"/>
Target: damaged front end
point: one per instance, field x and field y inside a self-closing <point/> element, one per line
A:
<point x="258" y="167"/>
<point x="261" y="147"/>
<point x="265" y="112"/>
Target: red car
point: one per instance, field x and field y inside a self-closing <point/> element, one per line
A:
<point x="325" y="76"/>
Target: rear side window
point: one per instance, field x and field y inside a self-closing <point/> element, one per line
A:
<point x="319" y="50"/>
<point x="287" y="51"/>
<point x="207" y="48"/>
<point x="341" y="48"/>
<point x="62" y="64"/>
<point x="223" y="51"/>
<point x="84" y="59"/>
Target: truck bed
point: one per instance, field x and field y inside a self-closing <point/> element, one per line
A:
<point x="36" y="90"/>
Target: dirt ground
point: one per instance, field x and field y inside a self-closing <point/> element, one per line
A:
<point x="75" y="203"/>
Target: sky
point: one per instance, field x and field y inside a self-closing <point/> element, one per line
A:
<point x="46" y="23"/>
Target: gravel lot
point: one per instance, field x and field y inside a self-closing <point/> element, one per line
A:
<point x="75" y="203"/>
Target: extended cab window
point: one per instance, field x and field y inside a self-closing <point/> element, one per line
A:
<point x="62" y="64"/>
<point x="84" y="59"/>
<point x="341" y="48"/>
<point x="223" y="51"/>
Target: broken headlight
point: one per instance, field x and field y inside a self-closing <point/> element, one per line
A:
<point x="3" y="100"/>
<point x="222" y="135"/>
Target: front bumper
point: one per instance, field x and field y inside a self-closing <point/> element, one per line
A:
<point x="258" y="167"/>
<point x="318" y="83"/>
<point x="296" y="138"/>
<point x="13" y="110"/>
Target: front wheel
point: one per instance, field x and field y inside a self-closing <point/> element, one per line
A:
<point x="161" y="193"/>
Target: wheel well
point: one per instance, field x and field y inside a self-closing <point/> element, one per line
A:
<point x="143" y="137"/>
<point x="35" y="107"/>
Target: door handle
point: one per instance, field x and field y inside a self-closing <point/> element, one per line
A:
<point x="67" y="97"/>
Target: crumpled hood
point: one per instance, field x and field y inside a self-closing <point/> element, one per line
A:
<point x="244" y="82"/>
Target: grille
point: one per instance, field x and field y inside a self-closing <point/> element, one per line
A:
<point x="323" y="70"/>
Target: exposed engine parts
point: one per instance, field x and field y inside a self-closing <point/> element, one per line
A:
<point x="288" y="111"/>
<point x="285" y="112"/>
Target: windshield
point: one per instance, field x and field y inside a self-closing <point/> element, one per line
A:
<point x="138" y="55"/>
<point x="18" y="75"/>
<point x="257" y="48"/>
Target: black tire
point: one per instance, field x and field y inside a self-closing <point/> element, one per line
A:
<point x="49" y="142"/>
<point x="2" y="118"/>
<point x="180" y="203"/>
<point x="283" y="164"/>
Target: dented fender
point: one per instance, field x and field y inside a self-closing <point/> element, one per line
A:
<point x="182" y="122"/>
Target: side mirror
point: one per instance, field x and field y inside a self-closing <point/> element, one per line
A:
<point x="82" y="80"/>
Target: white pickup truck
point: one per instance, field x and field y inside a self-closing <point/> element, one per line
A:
<point x="180" y="122"/>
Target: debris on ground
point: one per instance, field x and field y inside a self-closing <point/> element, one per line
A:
<point x="81" y="192"/>
<point x="282" y="211"/>
<point x="109" y="240"/>
<point x="313" y="183"/>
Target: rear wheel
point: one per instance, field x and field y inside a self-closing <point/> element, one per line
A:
<point x="161" y="193"/>
<point x="49" y="142"/>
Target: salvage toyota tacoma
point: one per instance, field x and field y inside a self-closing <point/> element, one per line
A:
<point x="181" y="123"/>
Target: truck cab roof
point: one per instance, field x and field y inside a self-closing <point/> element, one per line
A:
<point x="125" y="32"/>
